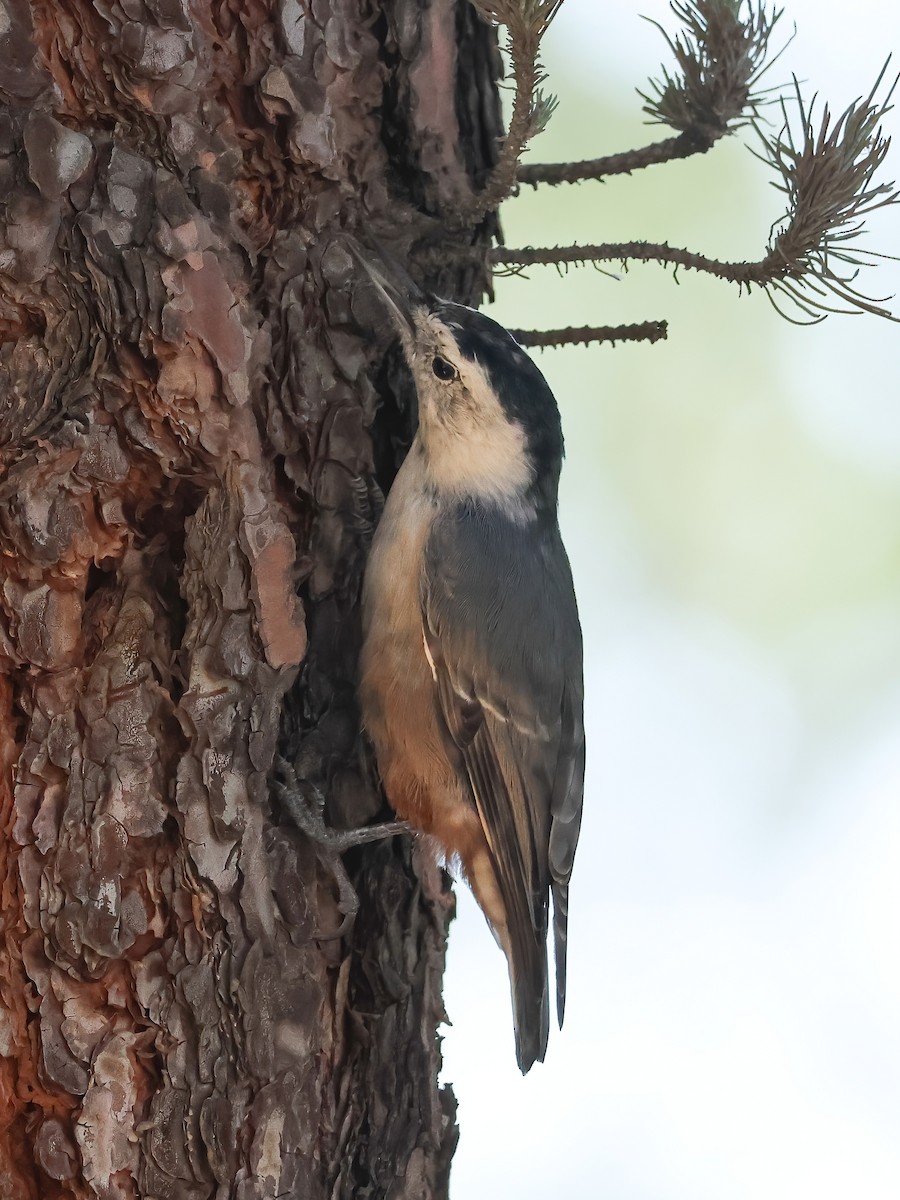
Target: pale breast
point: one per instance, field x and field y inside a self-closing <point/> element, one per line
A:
<point x="396" y="683"/>
<point x="391" y="589"/>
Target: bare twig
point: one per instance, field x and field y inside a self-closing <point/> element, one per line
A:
<point x="647" y="331"/>
<point x="526" y="21"/>
<point x="682" y="146"/>
<point x="720" y="56"/>
<point x="628" y="252"/>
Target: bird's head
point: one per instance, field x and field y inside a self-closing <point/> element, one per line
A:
<point x="489" y="425"/>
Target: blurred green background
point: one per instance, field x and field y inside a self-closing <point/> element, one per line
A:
<point x="730" y="505"/>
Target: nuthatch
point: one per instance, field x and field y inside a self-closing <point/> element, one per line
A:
<point x="471" y="684"/>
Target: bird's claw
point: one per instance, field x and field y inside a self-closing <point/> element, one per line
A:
<point x="304" y="803"/>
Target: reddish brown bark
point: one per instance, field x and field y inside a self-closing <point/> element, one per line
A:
<point x="188" y="486"/>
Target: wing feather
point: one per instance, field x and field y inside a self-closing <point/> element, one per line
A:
<point x="501" y="629"/>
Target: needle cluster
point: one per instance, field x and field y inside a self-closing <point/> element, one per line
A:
<point x="827" y="171"/>
<point x="720" y="55"/>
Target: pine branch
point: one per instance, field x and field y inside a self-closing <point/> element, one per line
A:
<point x="526" y="22"/>
<point x="720" y="58"/>
<point x="647" y="331"/>
<point x="827" y="172"/>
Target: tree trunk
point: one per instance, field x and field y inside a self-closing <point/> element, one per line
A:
<point x="192" y="449"/>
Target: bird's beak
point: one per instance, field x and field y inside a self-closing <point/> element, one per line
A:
<point x="400" y="295"/>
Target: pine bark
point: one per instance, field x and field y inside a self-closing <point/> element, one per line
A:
<point x="195" y="430"/>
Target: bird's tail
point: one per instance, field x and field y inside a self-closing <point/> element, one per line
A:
<point x="527" y="956"/>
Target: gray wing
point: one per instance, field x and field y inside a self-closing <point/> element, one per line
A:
<point x="502" y="629"/>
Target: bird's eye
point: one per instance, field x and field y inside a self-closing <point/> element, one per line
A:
<point x="443" y="369"/>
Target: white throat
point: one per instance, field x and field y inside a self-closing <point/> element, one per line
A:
<point x="473" y="448"/>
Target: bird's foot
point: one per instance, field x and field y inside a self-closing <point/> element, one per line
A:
<point x="305" y="805"/>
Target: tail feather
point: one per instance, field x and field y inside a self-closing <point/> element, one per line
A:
<point x="530" y="999"/>
<point x="560" y="944"/>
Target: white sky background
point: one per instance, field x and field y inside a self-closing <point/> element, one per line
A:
<point x="734" y="987"/>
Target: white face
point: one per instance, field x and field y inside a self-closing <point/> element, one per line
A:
<point x="472" y="447"/>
